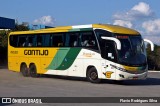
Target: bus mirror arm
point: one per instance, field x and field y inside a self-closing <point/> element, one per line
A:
<point x="151" y="43"/>
<point x="118" y="43"/>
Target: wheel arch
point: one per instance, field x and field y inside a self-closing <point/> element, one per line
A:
<point x="90" y="74"/>
<point x="88" y="68"/>
<point x="32" y="64"/>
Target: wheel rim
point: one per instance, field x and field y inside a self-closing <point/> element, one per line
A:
<point x="93" y="76"/>
<point x="24" y="70"/>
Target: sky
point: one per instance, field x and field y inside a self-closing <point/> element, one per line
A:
<point x="141" y="15"/>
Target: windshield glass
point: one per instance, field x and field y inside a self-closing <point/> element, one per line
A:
<point x="132" y="50"/>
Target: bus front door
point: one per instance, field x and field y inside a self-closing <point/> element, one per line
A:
<point x="109" y="54"/>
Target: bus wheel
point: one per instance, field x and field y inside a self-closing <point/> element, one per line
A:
<point x="24" y="70"/>
<point x="33" y="71"/>
<point x="92" y="75"/>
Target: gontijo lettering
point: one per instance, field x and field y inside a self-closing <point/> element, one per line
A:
<point x="36" y="52"/>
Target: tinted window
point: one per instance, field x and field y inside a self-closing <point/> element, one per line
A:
<point x="39" y="41"/>
<point x="100" y="33"/>
<point x="22" y="41"/>
<point x="72" y="39"/>
<point x="31" y="41"/>
<point x="88" y="40"/>
<point x="43" y="40"/>
<point x="108" y="50"/>
<point x="58" y="40"/>
<point x="13" y="40"/>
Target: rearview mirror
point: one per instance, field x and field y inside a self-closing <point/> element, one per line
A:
<point x="151" y="43"/>
<point x="118" y="43"/>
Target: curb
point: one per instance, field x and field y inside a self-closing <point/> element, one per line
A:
<point x="154" y="71"/>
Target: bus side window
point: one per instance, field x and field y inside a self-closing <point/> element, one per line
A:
<point x="22" y="41"/>
<point x="73" y="39"/>
<point x="88" y="40"/>
<point x="58" y="40"/>
<point x="46" y="40"/>
<point x="31" y="40"/>
<point x="39" y="40"/>
<point x="13" y="40"/>
<point x="108" y="50"/>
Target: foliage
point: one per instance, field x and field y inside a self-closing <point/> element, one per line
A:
<point x="3" y="38"/>
<point x="153" y="58"/>
<point x="21" y="28"/>
<point x="4" y="41"/>
<point x="4" y="34"/>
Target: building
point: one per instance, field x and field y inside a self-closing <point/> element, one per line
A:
<point x="35" y="27"/>
<point x="7" y="23"/>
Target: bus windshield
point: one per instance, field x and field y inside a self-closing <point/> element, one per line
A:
<point x="132" y="50"/>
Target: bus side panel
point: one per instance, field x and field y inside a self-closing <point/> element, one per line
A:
<point x="13" y="59"/>
<point x="55" y="64"/>
<point x="44" y="62"/>
<point x="41" y="57"/>
<point x="13" y="63"/>
<point x="64" y="60"/>
<point x="109" y="72"/>
<point x="22" y="58"/>
<point x="85" y="59"/>
<point x="77" y="68"/>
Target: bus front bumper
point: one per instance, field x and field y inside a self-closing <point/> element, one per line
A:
<point x="129" y="76"/>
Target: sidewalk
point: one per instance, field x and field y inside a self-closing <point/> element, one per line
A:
<point x="152" y="71"/>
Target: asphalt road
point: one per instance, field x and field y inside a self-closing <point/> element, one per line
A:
<point x="13" y="84"/>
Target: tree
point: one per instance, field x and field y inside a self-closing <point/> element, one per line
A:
<point x="21" y="27"/>
<point x="4" y="41"/>
<point x="158" y="58"/>
<point x="4" y="34"/>
<point x="3" y="38"/>
<point x="153" y="57"/>
<point x="3" y="46"/>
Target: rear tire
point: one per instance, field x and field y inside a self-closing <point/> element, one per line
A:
<point x="24" y="70"/>
<point x="33" y="71"/>
<point x="92" y="75"/>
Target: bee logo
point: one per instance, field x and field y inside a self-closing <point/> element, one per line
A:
<point x="108" y="74"/>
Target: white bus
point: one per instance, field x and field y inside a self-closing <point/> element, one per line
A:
<point x="96" y="51"/>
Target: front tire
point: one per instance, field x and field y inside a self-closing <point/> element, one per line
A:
<point x="33" y="71"/>
<point x="92" y="75"/>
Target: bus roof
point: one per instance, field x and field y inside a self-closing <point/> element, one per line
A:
<point x="110" y="28"/>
